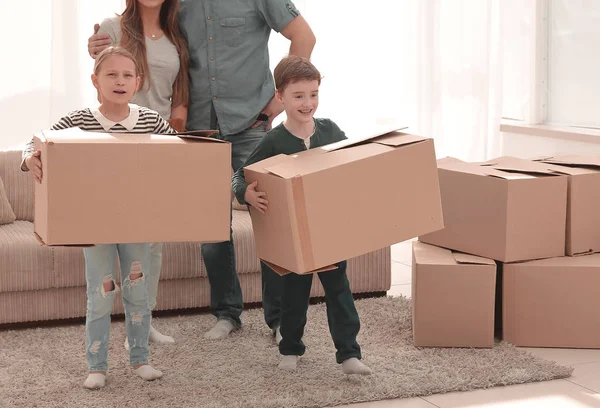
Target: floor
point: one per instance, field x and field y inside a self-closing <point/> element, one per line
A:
<point x="581" y="390"/>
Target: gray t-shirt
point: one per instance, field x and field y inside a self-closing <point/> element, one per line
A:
<point x="163" y="63"/>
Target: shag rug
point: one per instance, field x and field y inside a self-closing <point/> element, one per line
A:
<point x="45" y="367"/>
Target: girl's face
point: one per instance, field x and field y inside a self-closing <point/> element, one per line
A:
<point x="117" y="80"/>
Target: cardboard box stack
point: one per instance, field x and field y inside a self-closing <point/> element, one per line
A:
<point x="345" y="199"/>
<point x="529" y="216"/>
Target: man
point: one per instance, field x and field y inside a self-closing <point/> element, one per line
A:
<point x="232" y="89"/>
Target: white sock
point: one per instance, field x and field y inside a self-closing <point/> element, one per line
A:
<point x="148" y="373"/>
<point x="220" y="331"/>
<point x="355" y="366"/>
<point x="288" y="363"/>
<point x="95" y="381"/>
<point x="278" y="335"/>
<point x="158" y="337"/>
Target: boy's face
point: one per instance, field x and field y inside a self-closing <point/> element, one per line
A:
<point x="300" y="100"/>
<point x="116" y="81"/>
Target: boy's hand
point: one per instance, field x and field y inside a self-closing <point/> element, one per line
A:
<point x="256" y="198"/>
<point x="97" y="42"/>
<point x="34" y="164"/>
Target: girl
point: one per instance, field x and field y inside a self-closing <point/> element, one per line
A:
<point x="116" y="78"/>
<point x="149" y="30"/>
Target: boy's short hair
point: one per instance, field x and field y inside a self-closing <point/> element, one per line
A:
<point x="293" y="69"/>
<point x="113" y="50"/>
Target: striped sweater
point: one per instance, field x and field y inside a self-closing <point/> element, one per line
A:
<point x="140" y="120"/>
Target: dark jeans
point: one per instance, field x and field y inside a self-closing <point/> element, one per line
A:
<point x="272" y="289"/>
<point x="226" y="301"/>
<point x="342" y="317"/>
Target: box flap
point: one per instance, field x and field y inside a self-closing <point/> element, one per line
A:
<point x="71" y="135"/>
<point x="584" y="261"/>
<point x="293" y="167"/>
<point x="463" y="258"/>
<point x="452" y="164"/>
<point x="42" y="243"/>
<point x="200" y="135"/>
<point x="282" y="271"/>
<point x="265" y="165"/>
<point x="394" y="133"/>
<point x="516" y="165"/>
<point x="588" y="161"/>
<point x="425" y="254"/>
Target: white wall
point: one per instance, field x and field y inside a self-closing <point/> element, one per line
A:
<point x="25" y="75"/>
<point x="526" y="146"/>
<point x="45" y="69"/>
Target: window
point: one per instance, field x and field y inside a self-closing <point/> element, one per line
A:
<point x="551" y="70"/>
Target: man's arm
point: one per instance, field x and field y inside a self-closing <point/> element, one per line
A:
<point x="302" y="38"/>
<point x="286" y="19"/>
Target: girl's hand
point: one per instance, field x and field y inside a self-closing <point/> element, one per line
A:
<point x="256" y="199"/>
<point x="34" y="164"/>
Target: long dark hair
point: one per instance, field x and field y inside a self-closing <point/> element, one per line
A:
<point x="133" y="39"/>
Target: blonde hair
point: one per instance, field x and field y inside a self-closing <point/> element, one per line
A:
<point x="109" y="52"/>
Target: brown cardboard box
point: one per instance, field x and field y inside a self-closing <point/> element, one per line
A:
<point x="339" y="201"/>
<point x="583" y="217"/>
<point x="102" y="188"/>
<point x="452" y="298"/>
<point x="514" y="215"/>
<point x="553" y="302"/>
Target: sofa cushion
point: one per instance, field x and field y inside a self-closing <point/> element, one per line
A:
<point x="184" y="259"/>
<point x="245" y="248"/>
<point x="24" y="264"/>
<point x="181" y="260"/>
<point x="69" y="267"/>
<point x="19" y="185"/>
<point x="237" y="206"/>
<point x="6" y="212"/>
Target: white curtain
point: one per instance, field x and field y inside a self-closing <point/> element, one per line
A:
<point x="45" y="69"/>
<point x="432" y="65"/>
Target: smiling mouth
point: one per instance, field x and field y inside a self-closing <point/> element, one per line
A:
<point x="305" y="112"/>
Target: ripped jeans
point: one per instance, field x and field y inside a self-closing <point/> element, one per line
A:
<point x="100" y="267"/>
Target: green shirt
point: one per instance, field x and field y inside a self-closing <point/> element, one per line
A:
<point x="229" y="58"/>
<point x="279" y="140"/>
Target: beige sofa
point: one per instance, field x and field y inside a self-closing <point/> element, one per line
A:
<point x="44" y="283"/>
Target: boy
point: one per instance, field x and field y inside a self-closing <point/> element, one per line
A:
<point x="285" y="298"/>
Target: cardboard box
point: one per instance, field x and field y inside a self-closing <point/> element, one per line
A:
<point x="514" y="214"/>
<point x="103" y="188"/>
<point x="346" y="199"/>
<point x="553" y="302"/>
<point x="453" y="296"/>
<point x="583" y="215"/>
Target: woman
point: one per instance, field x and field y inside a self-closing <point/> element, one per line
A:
<point x="149" y="30"/>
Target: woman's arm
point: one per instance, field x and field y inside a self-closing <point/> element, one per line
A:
<point x="178" y="117"/>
